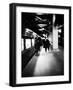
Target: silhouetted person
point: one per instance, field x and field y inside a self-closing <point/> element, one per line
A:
<point x="38" y="43"/>
<point x="46" y="44"/>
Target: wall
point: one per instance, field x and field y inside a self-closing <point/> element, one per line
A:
<point x="4" y="45"/>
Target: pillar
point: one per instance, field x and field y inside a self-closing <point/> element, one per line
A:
<point x="31" y="42"/>
<point x="55" y="35"/>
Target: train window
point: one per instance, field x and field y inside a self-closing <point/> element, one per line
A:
<point x="28" y="43"/>
<point x="32" y="42"/>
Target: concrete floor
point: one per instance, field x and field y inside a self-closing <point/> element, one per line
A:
<point x="48" y="63"/>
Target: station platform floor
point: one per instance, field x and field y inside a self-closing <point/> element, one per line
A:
<point x="43" y="63"/>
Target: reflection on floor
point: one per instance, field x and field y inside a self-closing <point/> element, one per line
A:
<point x="48" y="63"/>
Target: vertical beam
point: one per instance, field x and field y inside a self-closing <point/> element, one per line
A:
<point x="31" y="42"/>
<point x="55" y="34"/>
<point x="55" y="38"/>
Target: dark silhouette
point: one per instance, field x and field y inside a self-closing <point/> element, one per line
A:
<point x="38" y="44"/>
<point x="46" y="44"/>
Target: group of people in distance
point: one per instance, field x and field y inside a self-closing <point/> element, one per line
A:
<point x="42" y="42"/>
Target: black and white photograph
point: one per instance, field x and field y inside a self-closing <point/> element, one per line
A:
<point x="40" y="44"/>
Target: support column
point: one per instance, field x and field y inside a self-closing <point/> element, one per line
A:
<point x="31" y="42"/>
<point x="55" y="35"/>
<point x="55" y="38"/>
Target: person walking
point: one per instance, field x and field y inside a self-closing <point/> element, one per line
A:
<point x="38" y="44"/>
<point x="46" y="44"/>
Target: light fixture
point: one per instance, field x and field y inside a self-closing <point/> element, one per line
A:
<point x="59" y="30"/>
<point x="42" y="25"/>
<point x="27" y="30"/>
<point x="41" y="29"/>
